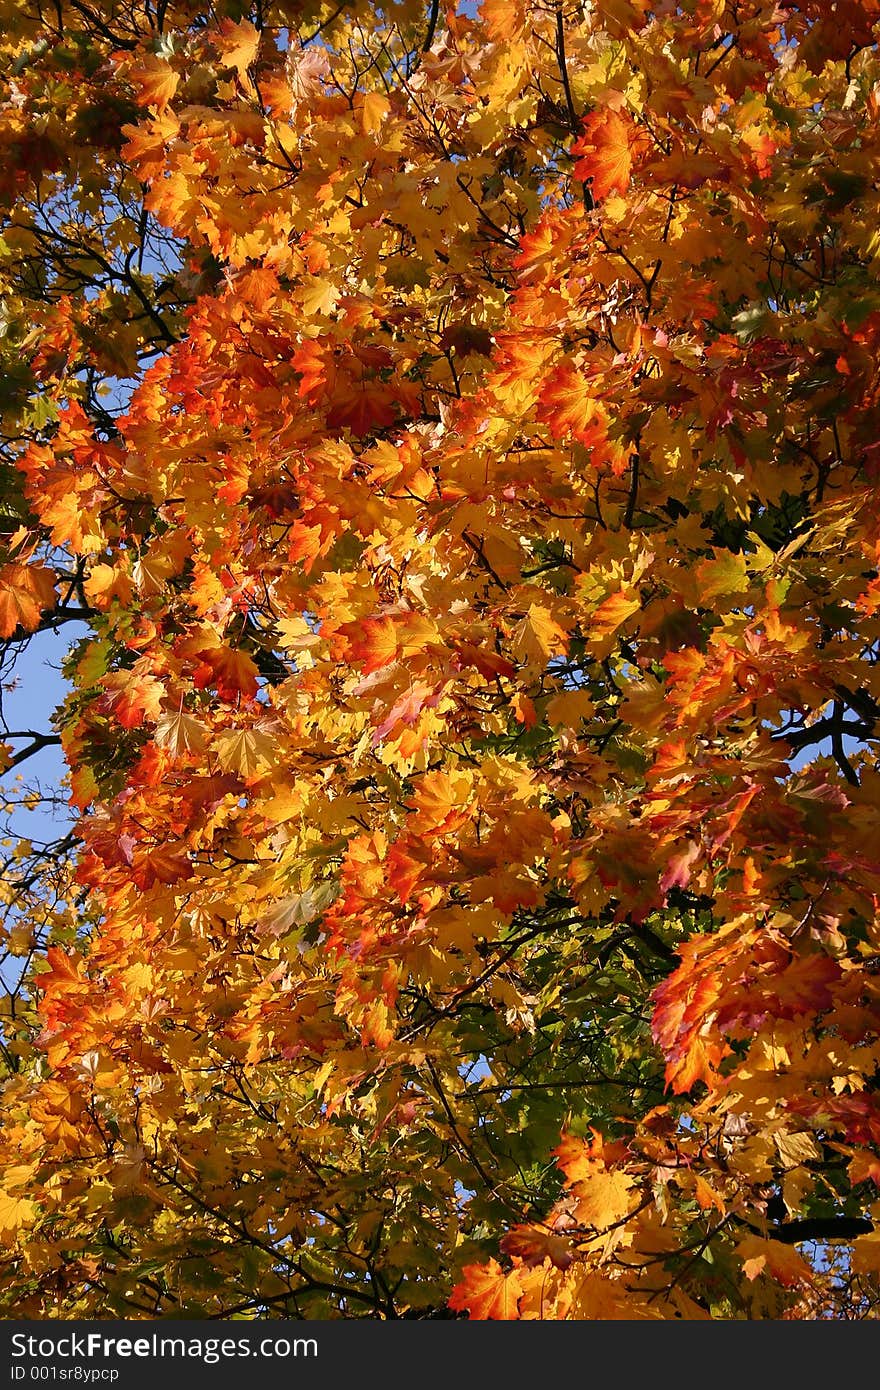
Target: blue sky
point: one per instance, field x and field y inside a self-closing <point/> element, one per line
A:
<point x="29" y="699"/>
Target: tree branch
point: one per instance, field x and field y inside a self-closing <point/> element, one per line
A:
<point x="840" y="757"/>
<point x="39" y="742"/>
<point x="432" y="25"/>
<point x="821" y="1228"/>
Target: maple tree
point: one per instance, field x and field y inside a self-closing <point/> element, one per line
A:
<point x="457" y="429"/>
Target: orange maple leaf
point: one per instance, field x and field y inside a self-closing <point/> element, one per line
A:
<point x="25" y="591"/>
<point x="504" y="19"/>
<point x="439" y="803"/>
<point x="535" y="1244"/>
<point x="238" y="44"/>
<point x="568" y="404"/>
<point x="154" y="80"/>
<point x="486" y="1291"/>
<point x="612" y="612"/>
<point x="605" y="152"/>
<point x="66" y="971"/>
<point x="313" y="360"/>
<point x="232" y="672"/>
<point x="524" y="711"/>
<point x="161" y="864"/>
<point x="374" y="643"/>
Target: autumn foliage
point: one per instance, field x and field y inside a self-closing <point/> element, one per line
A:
<point x="458" y="429"/>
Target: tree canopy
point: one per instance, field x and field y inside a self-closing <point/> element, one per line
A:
<point x="457" y="429"/>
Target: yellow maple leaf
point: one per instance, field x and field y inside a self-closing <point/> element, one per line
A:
<point x="15" y="1212"/>
<point x="180" y="733"/>
<point x="569" y="707"/>
<point x="866" y="1254"/>
<point x="372" y="109"/>
<point x="726" y="574"/>
<point x="539" y="636"/>
<point x="795" y="1149"/>
<point x="595" y="1297"/>
<point x="604" y="1198"/>
<point x="781" y="1262"/>
<point x="246" y="751"/>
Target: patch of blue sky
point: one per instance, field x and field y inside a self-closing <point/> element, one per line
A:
<point x="32" y="691"/>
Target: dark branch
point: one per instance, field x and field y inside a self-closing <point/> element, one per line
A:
<point x="37" y="744"/>
<point x="821" y="1228"/>
<point x="432" y="25"/>
<point x="837" y="748"/>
